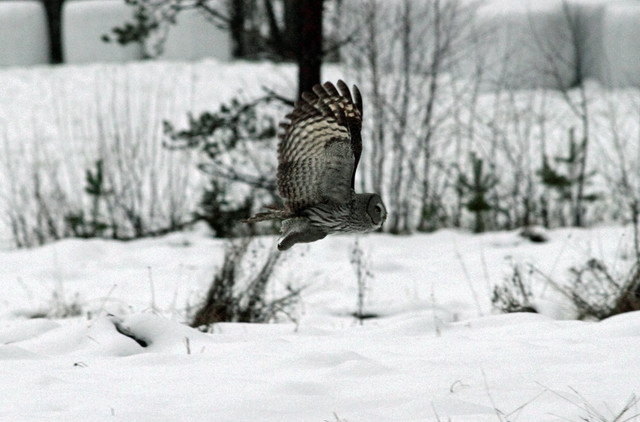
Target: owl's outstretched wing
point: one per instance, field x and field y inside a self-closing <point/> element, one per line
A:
<point x="320" y="148"/>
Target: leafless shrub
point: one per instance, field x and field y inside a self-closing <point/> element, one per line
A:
<point x="361" y="267"/>
<point x="425" y="122"/>
<point x="148" y="182"/>
<point x="510" y="129"/>
<point x="34" y="199"/>
<point x="620" y="161"/>
<point x="336" y="418"/>
<point x="514" y="295"/>
<point x="597" y="293"/>
<point x="59" y="306"/>
<point x="62" y="307"/>
<point x="238" y="292"/>
<point x="401" y="60"/>
<point x="151" y="190"/>
<point x="593" y="289"/>
<point x="577" y="101"/>
<point x="590" y="413"/>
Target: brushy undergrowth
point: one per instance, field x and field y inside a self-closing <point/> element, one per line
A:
<point x="592" y="288"/>
<point x="88" y="161"/>
<point x="238" y="291"/>
<point x="97" y="163"/>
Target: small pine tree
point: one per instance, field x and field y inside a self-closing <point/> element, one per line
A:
<point x="224" y="139"/>
<point x="218" y="213"/>
<point x="476" y="189"/>
<point x="565" y="179"/>
<point x="92" y="225"/>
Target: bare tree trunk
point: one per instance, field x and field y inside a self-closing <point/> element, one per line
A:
<point x="54" y="11"/>
<point x="434" y="71"/>
<point x="635" y="220"/>
<point x="580" y="109"/>
<point x="236" y="27"/>
<point x="373" y="61"/>
<point x="578" y="217"/>
<point x="398" y="197"/>
<point x="275" y="34"/>
<point x="290" y="27"/>
<point x="582" y="112"/>
<point x="309" y="49"/>
<point x="404" y="206"/>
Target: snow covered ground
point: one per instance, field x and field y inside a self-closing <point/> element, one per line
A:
<point x="435" y="353"/>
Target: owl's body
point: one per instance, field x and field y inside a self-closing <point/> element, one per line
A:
<point x="317" y="158"/>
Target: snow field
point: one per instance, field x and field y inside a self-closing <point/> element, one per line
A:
<point x="435" y="353"/>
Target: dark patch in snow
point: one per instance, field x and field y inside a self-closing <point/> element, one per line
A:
<point x="128" y="333"/>
<point x="364" y="316"/>
<point x="535" y="234"/>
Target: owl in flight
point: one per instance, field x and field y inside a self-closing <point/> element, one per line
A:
<point x="318" y="154"/>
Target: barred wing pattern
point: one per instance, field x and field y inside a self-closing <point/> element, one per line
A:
<point x="320" y="148"/>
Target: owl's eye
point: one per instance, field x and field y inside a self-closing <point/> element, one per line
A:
<point x="378" y="209"/>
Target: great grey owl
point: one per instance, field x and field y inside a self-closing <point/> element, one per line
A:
<point x="318" y="154"/>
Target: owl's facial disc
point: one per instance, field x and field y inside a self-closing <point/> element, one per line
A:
<point x="376" y="210"/>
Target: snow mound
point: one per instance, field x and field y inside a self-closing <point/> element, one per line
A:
<point x="465" y="371"/>
<point x="157" y="334"/>
<point x="12" y="332"/>
<point x="104" y="336"/>
<point x="87" y="338"/>
<point x="24" y="39"/>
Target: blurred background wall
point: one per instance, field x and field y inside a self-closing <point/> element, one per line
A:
<point x="590" y="39"/>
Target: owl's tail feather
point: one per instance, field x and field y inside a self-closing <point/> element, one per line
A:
<point x="272" y="214"/>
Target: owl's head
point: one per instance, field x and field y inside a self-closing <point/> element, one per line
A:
<point x="376" y="210"/>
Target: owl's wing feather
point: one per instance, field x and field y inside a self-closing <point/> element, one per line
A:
<point x="303" y="157"/>
<point x="353" y="114"/>
<point x="320" y="147"/>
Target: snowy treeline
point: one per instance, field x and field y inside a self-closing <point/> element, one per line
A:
<point x="558" y="43"/>
<point x="527" y="43"/>
<point x="523" y="44"/>
<point x="450" y="148"/>
<point x="86" y="21"/>
<point x="24" y="39"/>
